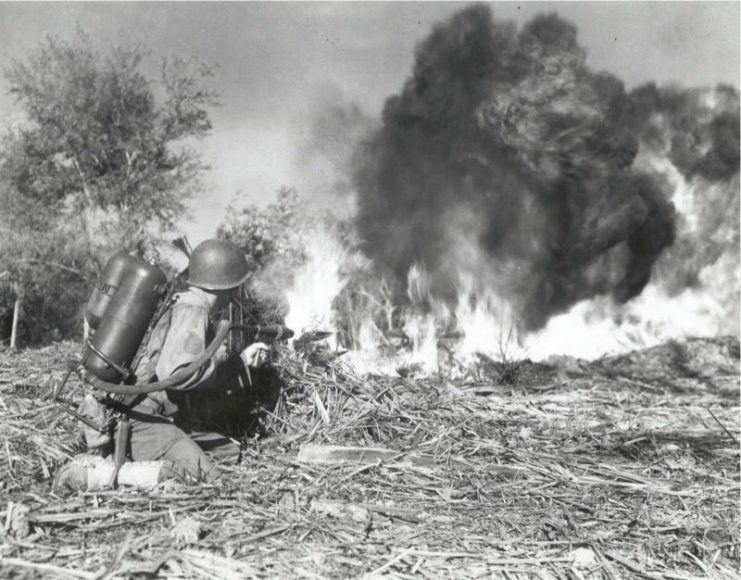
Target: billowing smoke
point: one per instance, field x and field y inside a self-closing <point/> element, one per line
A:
<point x="506" y="159"/>
<point x="698" y="129"/>
<point x="324" y="150"/>
<point x="695" y="135"/>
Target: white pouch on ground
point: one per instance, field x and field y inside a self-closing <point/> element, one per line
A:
<point x="136" y="474"/>
<point x="93" y="473"/>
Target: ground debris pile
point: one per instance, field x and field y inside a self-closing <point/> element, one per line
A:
<point x="618" y="468"/>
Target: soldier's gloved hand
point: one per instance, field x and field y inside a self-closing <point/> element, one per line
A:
<point x="255" y="354"/>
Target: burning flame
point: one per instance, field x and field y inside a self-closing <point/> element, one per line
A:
<point x="484" y="323"/>
<point x="711" y="307"/>
<point x="316" y="283"/>
<point x="527" y="190"/>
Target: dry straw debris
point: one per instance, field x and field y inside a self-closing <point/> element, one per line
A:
<point x="625" y="467"/>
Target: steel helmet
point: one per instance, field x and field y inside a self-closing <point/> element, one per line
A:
<point x="217" y="265"/>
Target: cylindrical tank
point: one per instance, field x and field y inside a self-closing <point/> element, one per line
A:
<point x="108" y="281"/>
<point x="126" y="319"/>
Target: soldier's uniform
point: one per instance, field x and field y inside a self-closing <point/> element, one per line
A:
<point x="160" y="423"/>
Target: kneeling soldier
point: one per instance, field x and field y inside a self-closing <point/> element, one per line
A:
<point x="159" y="425"/>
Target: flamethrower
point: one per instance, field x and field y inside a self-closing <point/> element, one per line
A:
<point x="440" y="335"/>
<point x="268" y="334"/>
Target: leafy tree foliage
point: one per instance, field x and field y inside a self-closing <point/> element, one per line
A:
<point x="42" y="270"/>
<point x="272" y="239"/>
<point x="103" y="161"/>
<point x="267" y="233"/>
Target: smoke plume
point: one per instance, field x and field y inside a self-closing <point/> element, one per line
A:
<point x="506" y="159"/>
<point x="324" y="150"/>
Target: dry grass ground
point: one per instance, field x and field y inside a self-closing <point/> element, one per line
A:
<point x="622" y="468"/>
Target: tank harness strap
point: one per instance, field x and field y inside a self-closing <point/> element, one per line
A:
<point x="164" y="314"/>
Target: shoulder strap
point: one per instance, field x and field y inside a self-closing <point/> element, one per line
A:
<point x="152" y="345"/>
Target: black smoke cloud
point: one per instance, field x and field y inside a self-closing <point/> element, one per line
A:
<point x="701" y="138"/>
<point x="502" y="140"/>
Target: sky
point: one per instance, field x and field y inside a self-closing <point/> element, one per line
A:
<point x="275" y="62"/>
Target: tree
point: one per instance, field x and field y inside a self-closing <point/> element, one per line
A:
<point x="103" y="161"/>
<point x="268" y="233"/>
<point x="40" y="269"/>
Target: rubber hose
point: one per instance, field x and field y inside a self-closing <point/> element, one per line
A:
<point x="179" y="376"/>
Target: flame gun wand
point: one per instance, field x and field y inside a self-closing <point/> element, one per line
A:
<point x="259" y="333"/>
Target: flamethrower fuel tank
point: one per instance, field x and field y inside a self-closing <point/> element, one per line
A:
<point x="108" y="282"/>
<point x="127" y="311"/>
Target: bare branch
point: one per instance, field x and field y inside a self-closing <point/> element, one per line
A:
<point x="53" y="265"/>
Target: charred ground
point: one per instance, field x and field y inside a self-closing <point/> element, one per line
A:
<point x="622" y="467"/>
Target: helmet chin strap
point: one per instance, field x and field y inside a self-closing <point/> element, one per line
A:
<point x="223" y="298"/>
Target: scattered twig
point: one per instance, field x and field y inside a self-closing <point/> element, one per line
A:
<point x="722" y="426"/>
<point x="511" y="483"/>
<point x="62" y="571"/>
